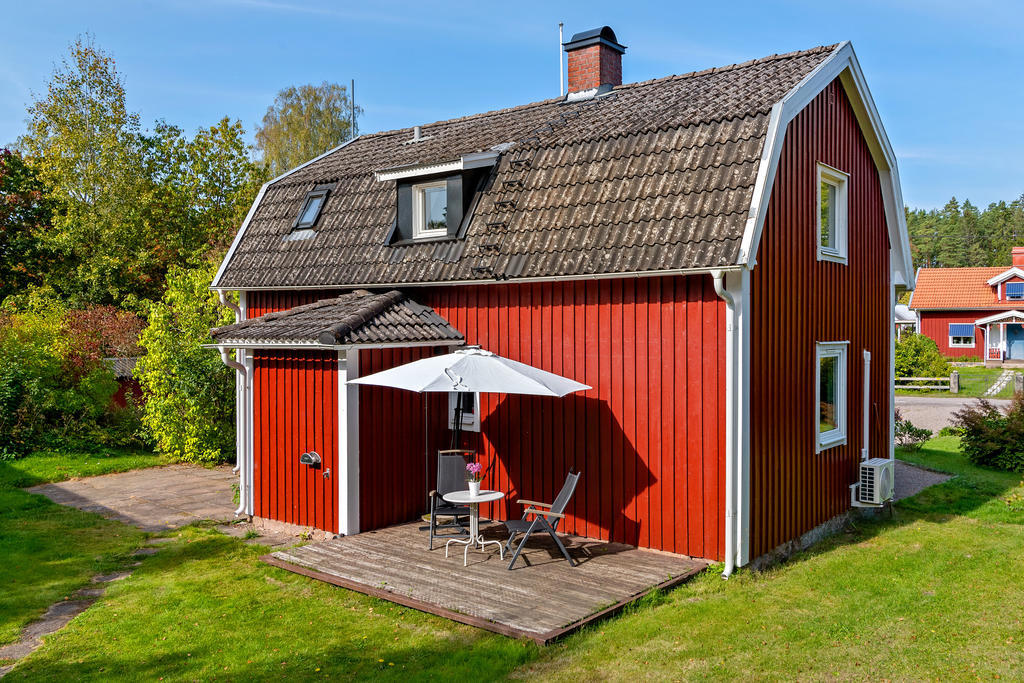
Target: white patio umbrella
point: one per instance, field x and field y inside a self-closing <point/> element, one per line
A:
<point x="472" y="369"/>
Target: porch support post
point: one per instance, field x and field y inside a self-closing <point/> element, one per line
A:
<point x="348" y="443"/>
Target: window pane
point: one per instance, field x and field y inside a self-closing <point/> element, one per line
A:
<point x="827" y="391"/>
<point x="828" y="215"/>
<point x="310" y="212"/>
<point x="467" y="401"/>
<point x="435" y="208"/>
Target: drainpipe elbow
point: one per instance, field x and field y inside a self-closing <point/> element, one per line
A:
<point x="225" y="301"/>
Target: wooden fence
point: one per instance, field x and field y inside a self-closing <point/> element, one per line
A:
<point x="950" y="384"/>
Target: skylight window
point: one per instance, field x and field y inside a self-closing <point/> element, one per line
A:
<point x="311" y="207"/>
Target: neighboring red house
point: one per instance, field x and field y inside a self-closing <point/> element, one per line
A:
<point x="714" y="253"/>
<point x="976" y="313"/>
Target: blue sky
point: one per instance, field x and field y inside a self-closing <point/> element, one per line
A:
<point x="946" y="75"/>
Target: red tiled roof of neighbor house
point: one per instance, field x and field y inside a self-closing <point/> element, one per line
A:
<point x="958" y="288"/>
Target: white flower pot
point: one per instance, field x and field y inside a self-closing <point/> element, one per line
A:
<point x="474" y="488"/>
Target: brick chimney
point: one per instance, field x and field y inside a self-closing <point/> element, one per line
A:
<point x="595" y="59"/>
<point x="1018" y="256"/>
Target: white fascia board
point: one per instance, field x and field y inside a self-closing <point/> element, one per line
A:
<point x="999" y="316"/>
<point x="256" y="202"/>
<point x="843" y="64"/>
<point x="463" y="163"/>
<point x="313" y="346"/>
<point x="1006" y="275"/>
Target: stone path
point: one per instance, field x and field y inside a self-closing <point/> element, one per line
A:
<point x="911" y="480"/>
<point x="60" y="614"/>
<point x="1004" y="378"/>
<point x="154" y="499"/>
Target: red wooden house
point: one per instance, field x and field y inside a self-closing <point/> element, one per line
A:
<point x="976" y="313"/>
<point x="714" y="253"/>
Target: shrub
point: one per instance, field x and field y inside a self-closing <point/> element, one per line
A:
<point x="992" y="438"/>
<point x="908" y="436"/>
<point x="918" y="356"/>
<point x="189" y="407"/>
<point x="55" y="388"/>
<point x="950" y="430"/>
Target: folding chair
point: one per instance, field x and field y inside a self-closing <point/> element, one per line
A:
<point x="545" y="518"/>
<point x="451" y="476"/>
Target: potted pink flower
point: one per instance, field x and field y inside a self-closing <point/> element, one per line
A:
<point x="474" y="475"/>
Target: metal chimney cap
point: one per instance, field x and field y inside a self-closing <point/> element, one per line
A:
<point x="595" y="36"/>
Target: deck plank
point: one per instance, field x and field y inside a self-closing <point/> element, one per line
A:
<point x="542" y="598"/>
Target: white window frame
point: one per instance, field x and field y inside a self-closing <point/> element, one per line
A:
<point x="470" y="423"/>
<point x="960" y="345"/>
<point x="419" y="230"/>
<point x="841" y="181"/>
<point x="840" y="351"/>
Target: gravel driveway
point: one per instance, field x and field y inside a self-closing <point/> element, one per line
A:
<point x="935" y="412"/>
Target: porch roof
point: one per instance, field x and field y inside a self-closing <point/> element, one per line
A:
<point x="359" y="318"/>
<point x="1008" y="316"/>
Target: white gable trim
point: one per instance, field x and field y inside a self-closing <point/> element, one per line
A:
<point x="999" y="316"/>
<point x="256" y="202"/>
<point x="842" y="64"/>
<point x="1006" y="275"/>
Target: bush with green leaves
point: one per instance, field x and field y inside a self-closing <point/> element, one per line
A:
<point x="189" y="393"/>
<point x="55" y="387"/>
<point x="908" y="436"/>
<point x="918" y="356"/>
<point x="992" y="437"/>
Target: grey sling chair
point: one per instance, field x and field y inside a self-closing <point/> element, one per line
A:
<point x="451" y="476"/>
<point x="543" y="520"/>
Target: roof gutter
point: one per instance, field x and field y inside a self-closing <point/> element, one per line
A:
<point x="493" y="281"/>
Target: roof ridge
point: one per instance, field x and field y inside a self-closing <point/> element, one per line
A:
<point x="374" y="306"/>
<point x="625" y="86"/>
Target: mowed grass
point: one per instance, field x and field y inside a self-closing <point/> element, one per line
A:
<point x="47" y="551"/>
<point x="934" y="592"/>
<point x="974" y="381"/>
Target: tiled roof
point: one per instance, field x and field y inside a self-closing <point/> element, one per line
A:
<point x="354" y="318"/>
<point x="958" y="288"/>
<point x="122" y="366"/>
<point x="652" y="176"/>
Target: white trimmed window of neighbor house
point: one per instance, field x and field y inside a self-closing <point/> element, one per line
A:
<point x="830" y="393"/>
<point x="961" y="335"/>
<point x="833" y="214"/>
<point x="469" y="402"/>
<point x="430" y="210"/>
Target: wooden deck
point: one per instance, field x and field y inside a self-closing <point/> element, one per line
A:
<point x="542" y="599"/>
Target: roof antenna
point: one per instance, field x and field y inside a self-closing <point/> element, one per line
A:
<point x="352" y="102"/>
<point x="561" y="74"/>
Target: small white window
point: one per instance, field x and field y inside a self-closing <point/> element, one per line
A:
<point x="464" y="404"/>
<point x="830" y="395"/>
<point x="961" y="335"/>
<point x="430" y="210"/>
<point x="832" y="214"/>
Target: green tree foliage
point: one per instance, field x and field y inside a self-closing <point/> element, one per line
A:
<point x="24" y="217"/>
<point x="128" y="204"/>
<point x="55" y="387"/>
<point x="959" y="235"/>
<point x="189" y="393"/>
<point x="302" y="123"/>
<point x="918" y="356"/>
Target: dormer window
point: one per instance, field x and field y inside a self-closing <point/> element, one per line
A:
<point x="430" y="210"/>
<point x="311" y="208"/>
<point x="1014" y="291"/>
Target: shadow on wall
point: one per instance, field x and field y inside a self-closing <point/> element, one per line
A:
<point x="529" y="444"/>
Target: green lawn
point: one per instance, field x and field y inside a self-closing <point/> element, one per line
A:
<point x="48" y="551"/>
<point x="933" y="593"/>
<point x="974" y="380"/>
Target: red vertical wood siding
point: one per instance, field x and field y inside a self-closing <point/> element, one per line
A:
<point x="262" y="302"/>
<point x="648" y="438"/>
<point x="797" y="301"/>
<point x="935" y="324"/>
<point x="295" y="408"/>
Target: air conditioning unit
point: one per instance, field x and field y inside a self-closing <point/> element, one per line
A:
<point x="877" y="481"/>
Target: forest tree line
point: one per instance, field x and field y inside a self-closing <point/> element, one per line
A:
<point x="961" y="235"/>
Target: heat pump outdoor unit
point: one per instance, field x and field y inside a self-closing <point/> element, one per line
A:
<point x="876" y="481"/>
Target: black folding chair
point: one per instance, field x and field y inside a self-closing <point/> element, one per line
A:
<point x="545" y="518"/>
<point x="451" y="476"/>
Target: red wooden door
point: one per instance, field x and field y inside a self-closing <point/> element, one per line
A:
<point x="296" y="411"/>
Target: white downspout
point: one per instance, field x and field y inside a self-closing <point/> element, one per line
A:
<point x="730" y="423"/>
<point x="864" y="451"/>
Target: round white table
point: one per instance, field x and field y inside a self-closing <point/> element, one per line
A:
<point x="474" y="540"/>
